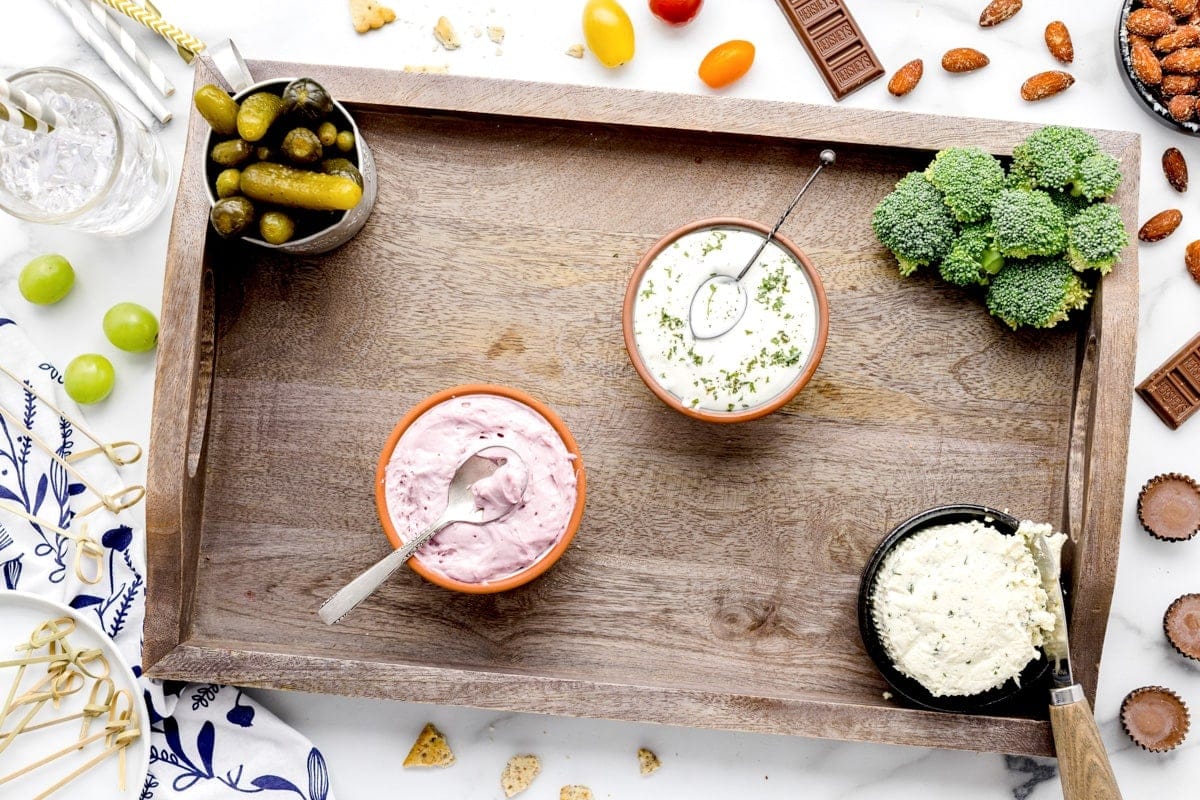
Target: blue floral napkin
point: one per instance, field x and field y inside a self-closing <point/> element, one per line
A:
<point x="207" y="741"/>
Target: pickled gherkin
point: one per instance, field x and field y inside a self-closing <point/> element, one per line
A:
<point x="342" y="166"/>
<point x="258" y="112"/>
<point x="296" y="188"/>
<point x="228" y="183"/>
<point x="218" y="109"/>
<point x="302" y="146"/>
<point x="345" y="141"/>
<point x="305" y="99"/>
<point x="327" y="133"/>
<point x="232" y="216"/>
<point x="232" y="153"/>
<point x="276" y="227"/>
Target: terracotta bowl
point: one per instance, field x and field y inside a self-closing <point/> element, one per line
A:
<point x="536" y="568"/>
<point x="806" y="372"/>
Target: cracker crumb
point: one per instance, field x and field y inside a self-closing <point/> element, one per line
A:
<point x="496" y="34"/>
<point x="476" y="31"/>
<point x="518" y="773"/>
<point x="433" y="69"/>
<point x="648" y="761"/>
<point x="575" y="51"/>
<point x="443" y="31"/>
<point x="429" y="750"/>
<point x="499" y="51"/>
<point x="575" y="792"/>
<point x="368" y="15"/>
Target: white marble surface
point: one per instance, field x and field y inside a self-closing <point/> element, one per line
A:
<point x="362" y="740"/>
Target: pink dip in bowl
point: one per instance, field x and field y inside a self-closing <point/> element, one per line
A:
<point x="425" y="458"/>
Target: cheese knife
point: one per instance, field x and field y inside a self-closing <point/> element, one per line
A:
<point x="1083" y="764"/>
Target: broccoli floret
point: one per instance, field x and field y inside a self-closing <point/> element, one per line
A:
<point x="1049" y="158"/>
<point x="969" y="180"/>
<point x="1038" y="292"/>
<point x="914" y="223"/>
<point x="1095" y="236"/>
<point x="1065" y="158"/>
<point x="1070" y="204"/>
<point x="1028" y="223"/>
<point x="973" y="258"/>
<point x="1099" y="176"/>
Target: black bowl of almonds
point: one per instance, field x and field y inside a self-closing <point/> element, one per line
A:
<point x="1158" y="49"/>
<point x="286" y="166"/>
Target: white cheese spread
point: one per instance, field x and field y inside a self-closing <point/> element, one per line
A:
<point x="961" y="608"/>
<point x="755" y="361"/>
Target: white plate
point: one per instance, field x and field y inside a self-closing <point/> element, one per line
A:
<point x="20" y="614"/>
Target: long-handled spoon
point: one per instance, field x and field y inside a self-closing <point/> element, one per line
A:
<point x="461" y="506"/>
<point x="728" y="292"/>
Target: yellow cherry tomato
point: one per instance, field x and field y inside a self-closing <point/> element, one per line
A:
<point x="726" y="62"/>
<point x="608" y="32"/>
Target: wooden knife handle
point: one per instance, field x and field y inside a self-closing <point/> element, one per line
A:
<point x="1083" y="765"/>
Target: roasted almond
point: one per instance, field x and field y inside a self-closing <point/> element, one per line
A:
<point x="1161" y="225"/>
<point x="1183" y="36"/>
<point x="1146" y="67"/>
<point x="1045" y="84"/>
<point x="963" y="59"/>
<point x="907" y="78"/>
<point x="1191" y="259"/>
<point x="1186" y="61"/>
<point x="997" y="11"/>
<point x="1179" y="84"/>
<point x="1058" y="42"/>
<point x="1182" y="8"/>
<point x="1182" y="107"/>
<point x="1161" y="5"/>
<point x="1150" y="22"/>
<point x="1175" y="168"/>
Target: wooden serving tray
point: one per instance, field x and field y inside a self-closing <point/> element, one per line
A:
<point x="714" y="579"/>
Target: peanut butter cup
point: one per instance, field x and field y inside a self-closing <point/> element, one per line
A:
<point x="1169" y="507"/>
<point x="1182" y="625"/>
<point x="1155" y="718"/>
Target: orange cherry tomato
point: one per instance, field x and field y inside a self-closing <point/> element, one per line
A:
<point x="727" y="62"/>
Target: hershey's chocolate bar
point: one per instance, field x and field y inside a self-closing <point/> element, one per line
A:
<point x="834" y="43"/>
<point x="1173" y="390"/>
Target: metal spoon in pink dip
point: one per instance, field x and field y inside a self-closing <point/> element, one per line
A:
<point x="480" y="492"/>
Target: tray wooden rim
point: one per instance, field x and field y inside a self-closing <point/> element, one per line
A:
<point x="1094" y="482"/>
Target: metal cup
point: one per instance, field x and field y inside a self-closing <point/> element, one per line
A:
<point x="229" y="63"/>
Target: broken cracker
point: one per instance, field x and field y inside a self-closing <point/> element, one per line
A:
<point x="575" y="51"/>
<point x="496" y="34"/>
<point x="648" y="761"/>
<point x="444" y="33"/>
<point x="575" y="792"/>
<point x="430" y="749"/>
<point x="518" y="773"/>
<point x="369" y="14"/>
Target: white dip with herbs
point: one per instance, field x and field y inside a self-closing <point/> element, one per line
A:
<point x="755" y="361"/>
<point x="960" y="608"/>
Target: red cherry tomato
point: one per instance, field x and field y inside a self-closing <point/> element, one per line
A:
<point x="676" y="12"/>
<point x="726" y="62"/>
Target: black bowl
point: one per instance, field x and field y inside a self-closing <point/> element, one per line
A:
<point x="998" y="700"/>
<point x="1139" y="90"/>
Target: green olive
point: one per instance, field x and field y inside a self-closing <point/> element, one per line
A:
<point x="345" y="141"/>
<point x="227" y="183"/>
<point x="275" y="227"/>
<point x="327" y="133"/>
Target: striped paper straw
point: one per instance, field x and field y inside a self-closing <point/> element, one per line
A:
<point x="152" y="71"/>
<point x="142" y="90"/>
<point x="26" y="102"/>
<point x="20" y="118"/>
<point x="188" y="43"/>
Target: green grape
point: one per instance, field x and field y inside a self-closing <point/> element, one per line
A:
<point x="131" y="327"/>
<point x="89" y="378"/>
<point x="46" y="280"/>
